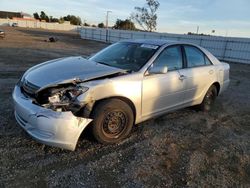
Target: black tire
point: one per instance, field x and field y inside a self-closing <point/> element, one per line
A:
<point x="113" y="120"/>
<point x="209" y="99"/>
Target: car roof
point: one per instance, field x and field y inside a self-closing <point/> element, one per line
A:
<point x="158" y="42"/>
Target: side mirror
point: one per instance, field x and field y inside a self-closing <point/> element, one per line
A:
<point x="158" y="70"/>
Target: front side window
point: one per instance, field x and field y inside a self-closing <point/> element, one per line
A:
<point x="195" y="57"/>
<point x="207" y="61"/>
<point x="126" y="55"/>
<point x="170" y="57"/>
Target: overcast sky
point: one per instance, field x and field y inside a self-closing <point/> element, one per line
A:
<point x="226" y="17"/>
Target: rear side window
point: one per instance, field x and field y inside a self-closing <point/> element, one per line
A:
<point x="195" y="57"/>
<point x="170" y="57"/>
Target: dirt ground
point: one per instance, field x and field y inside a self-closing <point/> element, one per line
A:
<point x="180" y="149"/>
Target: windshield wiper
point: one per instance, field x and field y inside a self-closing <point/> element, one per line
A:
<point x="103" y="63"/>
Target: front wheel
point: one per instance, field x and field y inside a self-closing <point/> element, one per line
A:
<point x="209" y="99"/>
<point x="112" y="121"/>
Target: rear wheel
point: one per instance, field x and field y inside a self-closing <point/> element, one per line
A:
<point x="112" y="121"/>
<point x="209" y="99"/>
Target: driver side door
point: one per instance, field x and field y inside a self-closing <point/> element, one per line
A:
<point x="162" y="92"/>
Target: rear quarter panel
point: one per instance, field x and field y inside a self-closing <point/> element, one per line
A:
<point x="223" y="75"/>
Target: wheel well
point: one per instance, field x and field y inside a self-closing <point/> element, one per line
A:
<point x="217" y="85"/>
<point x="124" y="99"/>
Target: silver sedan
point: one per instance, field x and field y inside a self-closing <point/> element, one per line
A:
<point x="122" y="85"/>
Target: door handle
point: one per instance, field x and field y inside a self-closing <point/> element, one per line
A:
<point x="182" y="77"/>
<point x="211" y="72"/>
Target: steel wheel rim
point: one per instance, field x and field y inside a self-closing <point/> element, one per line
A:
<point x="114" y="124"/>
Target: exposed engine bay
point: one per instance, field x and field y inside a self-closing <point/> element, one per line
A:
<point x="61" y="98"/>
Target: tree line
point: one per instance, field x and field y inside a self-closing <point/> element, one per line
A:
<point x="74" y="20"/>
<point x="145" y="17"/>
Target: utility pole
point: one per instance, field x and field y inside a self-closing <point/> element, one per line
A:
<point x="130" y="23"/>
<point x="107" y="24"/>
<point x="226" y="33"/>
<point x="197" y="31"/>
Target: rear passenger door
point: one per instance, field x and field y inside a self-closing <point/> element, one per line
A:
<point x="199" y="73"/>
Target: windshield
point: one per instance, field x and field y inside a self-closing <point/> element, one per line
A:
<point x="125" y="55"/>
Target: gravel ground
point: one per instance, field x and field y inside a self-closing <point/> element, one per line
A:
<point x="184" y="148"/>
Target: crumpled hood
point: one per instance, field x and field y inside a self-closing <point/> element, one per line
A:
<point x="64" y="70"/>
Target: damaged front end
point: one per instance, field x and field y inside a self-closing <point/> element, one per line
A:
<point x="61" y="98"/>
<point x="51" y="115"/>
<point x="50" y="99"/>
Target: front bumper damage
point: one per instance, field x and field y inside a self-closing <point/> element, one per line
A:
<point x="60" y="129"/>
